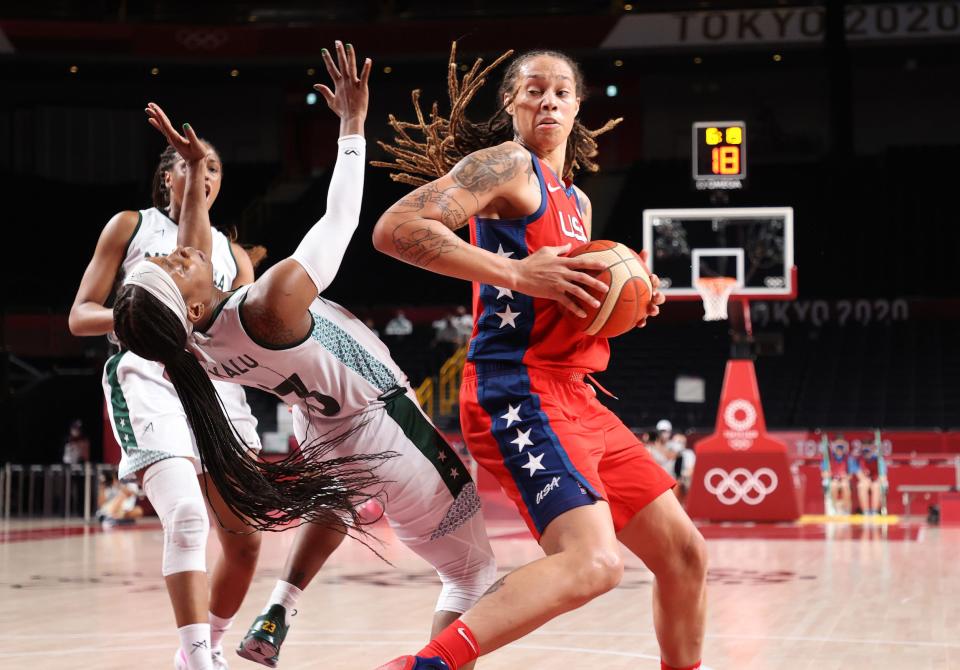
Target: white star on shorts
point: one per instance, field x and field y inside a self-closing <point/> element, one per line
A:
<point x="503" y="292"/>
<point x="534" y="464"/>
<point x="501" y="252"/>
<point x="523" y="439"/>
<point x="512" y="415"/>
<point x="508" y="316"/>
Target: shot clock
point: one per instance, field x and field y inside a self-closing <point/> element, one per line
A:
<point x="719" y="154"/>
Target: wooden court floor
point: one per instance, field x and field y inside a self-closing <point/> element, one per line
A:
<point x="819" y="597"/>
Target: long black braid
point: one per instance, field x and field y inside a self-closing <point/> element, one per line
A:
<point x="305" y="487"/>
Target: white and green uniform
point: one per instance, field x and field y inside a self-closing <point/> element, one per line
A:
<point x="147" y="417"/>
<point x="340" y="379"/>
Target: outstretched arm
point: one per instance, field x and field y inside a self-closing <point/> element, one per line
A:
<point x="276" y="304"/>
<point x="193" y="228"/>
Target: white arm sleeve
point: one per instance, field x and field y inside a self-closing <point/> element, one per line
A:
<point x="322" y="248"/>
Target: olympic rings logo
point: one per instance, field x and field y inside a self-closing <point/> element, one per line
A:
<point x="201" y="40"/>
<point x="736" y="422"/>
<point x="740" y="485"/>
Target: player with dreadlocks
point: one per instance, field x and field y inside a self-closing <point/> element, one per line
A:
<point x="579" y="477"/>
<point x="360" y="428"/>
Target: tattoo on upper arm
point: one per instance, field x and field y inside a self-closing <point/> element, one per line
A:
<point x="452" y="213"/>
<point x="488" y="168"/>
<point x="418" y="244"/>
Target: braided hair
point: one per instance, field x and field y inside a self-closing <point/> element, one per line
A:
<point x="447" y="140"/>
<point x="307" y="486"/>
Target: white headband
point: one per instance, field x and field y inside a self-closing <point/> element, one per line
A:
<point x="161" y="286"/>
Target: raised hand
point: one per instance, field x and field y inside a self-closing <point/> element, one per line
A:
<point x="190" y="148"/>
<point x="546" y="273"/>
<point x="350" y="95"/>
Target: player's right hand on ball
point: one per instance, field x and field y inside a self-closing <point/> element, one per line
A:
<point x="546" y="273"/>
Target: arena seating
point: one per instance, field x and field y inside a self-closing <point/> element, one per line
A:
<point x="885" y="374"/>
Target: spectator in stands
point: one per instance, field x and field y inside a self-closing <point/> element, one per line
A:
<point x="117" y="502"/>
<point x="683" y="464"/>
<point x="840" y="493"/>
<point x="77" y="448"/>
<point x="369" y="323"/>
<point x="661" y="449"/>
<point x="399" y="325"/>
<point x="871" y="474"/>
<point x="447" y="332"/>
<point x="463" y="321"/>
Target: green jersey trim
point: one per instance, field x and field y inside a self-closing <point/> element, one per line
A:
<point x="430" y="442"/>
<point x="236" y="266"/>
<point x="339" y="343"/>
<point x="118" y="401"/>
<point x="136" y="230"/>
<point x="216" y="312"/>
<point x="351" y="353"/>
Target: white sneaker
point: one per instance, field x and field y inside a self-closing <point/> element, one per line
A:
<point x="219" y="660"/>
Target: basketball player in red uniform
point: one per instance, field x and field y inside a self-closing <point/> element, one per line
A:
<point x="580" y="478"/>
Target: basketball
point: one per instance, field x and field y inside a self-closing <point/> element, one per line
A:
<point x="625" y="304"/>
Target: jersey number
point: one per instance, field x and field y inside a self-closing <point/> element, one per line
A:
<point x="293" y="384"/>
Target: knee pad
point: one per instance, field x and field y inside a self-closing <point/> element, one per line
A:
<point x="464" y="587"/>
<point x="185" y="531"/>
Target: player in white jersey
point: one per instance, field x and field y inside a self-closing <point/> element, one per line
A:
<point x="150" y="425"/>
<point x="352" y="403"/>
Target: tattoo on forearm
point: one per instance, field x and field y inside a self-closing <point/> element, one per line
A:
<point x="451" y="214"/>
<point x="485" y="169"/>
<point x="495" y="586"/>
<point x="418" y="244"/>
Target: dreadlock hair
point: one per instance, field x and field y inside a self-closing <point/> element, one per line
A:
<point x="168" y="157"/>
<point x="304" y="487"/>
<point x="446" y="141"/>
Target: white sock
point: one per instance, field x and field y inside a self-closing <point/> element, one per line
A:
<point x="218" y="628"/>
<point x="285" y="594"/>
<point x="195" y="643"/>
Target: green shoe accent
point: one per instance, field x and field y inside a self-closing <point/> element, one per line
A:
<point x="262" y="642"/>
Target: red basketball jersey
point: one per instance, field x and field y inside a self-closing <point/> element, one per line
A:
<point x="510" y="327"/>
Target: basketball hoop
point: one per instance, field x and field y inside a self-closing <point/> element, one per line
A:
<point x="715" y="292"/>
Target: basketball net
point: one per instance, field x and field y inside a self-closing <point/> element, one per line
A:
<point x="715" y="292"/>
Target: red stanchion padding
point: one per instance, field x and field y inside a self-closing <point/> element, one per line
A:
<point x="741" y="473"/>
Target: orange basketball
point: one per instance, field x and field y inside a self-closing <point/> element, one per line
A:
<point x="625" y="304"/>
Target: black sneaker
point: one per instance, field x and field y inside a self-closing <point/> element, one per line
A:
<point x="262" y="642"/>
